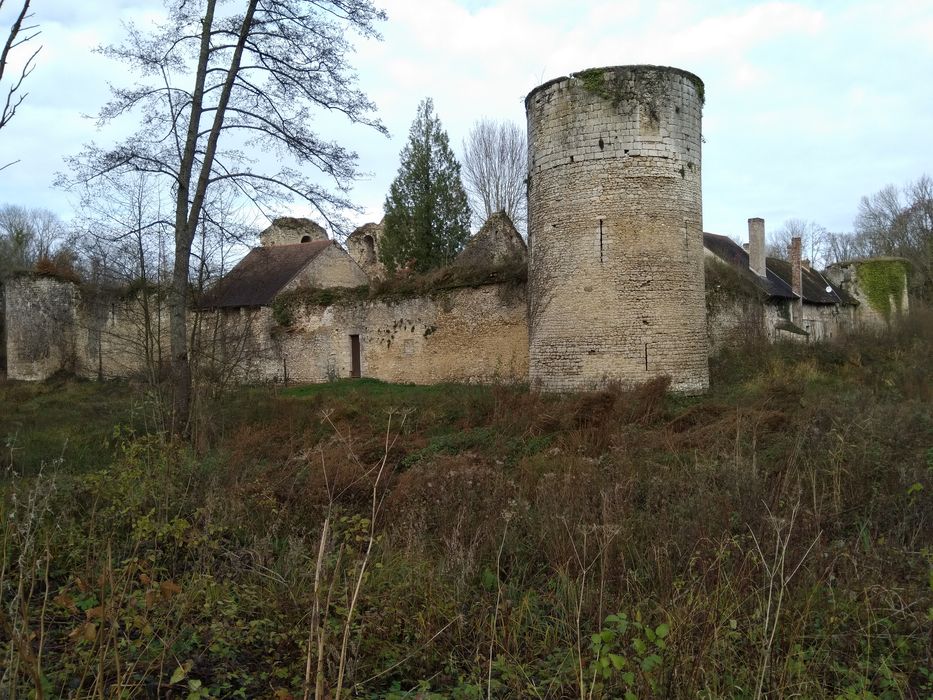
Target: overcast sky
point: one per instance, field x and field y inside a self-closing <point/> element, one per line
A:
<point x="809" y="105"/>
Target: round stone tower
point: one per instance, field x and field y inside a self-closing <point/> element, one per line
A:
<point x="615" y="229"/>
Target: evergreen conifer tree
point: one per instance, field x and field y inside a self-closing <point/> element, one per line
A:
<point x="427" y="216"/>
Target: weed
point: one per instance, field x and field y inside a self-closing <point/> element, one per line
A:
<point x="769" y="539"/>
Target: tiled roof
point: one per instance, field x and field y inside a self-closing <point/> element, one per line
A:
<point x="778" y="281"/>
<point x="731" y="252"/>
<point x="262" y="274"/>
<point x="816" y="288"/>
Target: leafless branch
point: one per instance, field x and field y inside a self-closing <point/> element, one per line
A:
<point x="20" y="34"/>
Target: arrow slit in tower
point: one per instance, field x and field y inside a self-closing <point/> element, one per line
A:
<point x="600" y="241"/>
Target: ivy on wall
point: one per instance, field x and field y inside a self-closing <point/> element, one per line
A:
<point x="883" y="281"/>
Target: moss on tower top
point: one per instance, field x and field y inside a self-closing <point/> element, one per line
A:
<point x="607" y="82"/>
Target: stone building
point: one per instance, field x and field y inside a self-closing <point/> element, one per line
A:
<point x="615" y="226"/>
<point x="617" y="283"/>
<point x="268" y="271"/>
<point x="778" y="299"/>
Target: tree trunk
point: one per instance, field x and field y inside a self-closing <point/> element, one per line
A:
<point x="178" y="334"/>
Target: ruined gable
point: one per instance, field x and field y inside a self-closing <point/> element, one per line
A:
<point x="497" y="243"/>
<point x="363" y="246"/>
<point x="287" y="230"/>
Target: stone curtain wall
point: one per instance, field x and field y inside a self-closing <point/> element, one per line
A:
<point x="737" y="321"/>
<point x="52" y="327"/>
<point x="615" y="229"/>
<point x="826" y="321"/>
<point x="465" y="335"/>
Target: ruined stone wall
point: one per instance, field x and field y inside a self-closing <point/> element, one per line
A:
<point x="124" y="336"/>
<point x="465" y="335"/>
<point x="734" y="321"/>
<point x="878" y="284"/>
<point x="41" y="323"/>
<point x="615" y="229"/>
<point x="53" y="327"/>
<point x="288" y="230"/>
<point x="826" y="321"/>
<point x="363" y="246"/>
<point x="330" y="268"/>
<point x="738" y="320"/>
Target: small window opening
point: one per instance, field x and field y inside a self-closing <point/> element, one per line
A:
<point x="369" y="249"/>
<point x="306" y="239"/>
<point x="600" y="241"/>
<point x="646" y="357"/>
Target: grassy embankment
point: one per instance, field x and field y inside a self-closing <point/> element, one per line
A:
<point x="772" y="538"/>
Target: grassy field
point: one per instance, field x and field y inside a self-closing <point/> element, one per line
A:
<point x="359" y="539"/>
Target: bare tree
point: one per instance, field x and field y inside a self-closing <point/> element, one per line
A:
<point x="125" y="237"/>
<point x="900" y="223"/>
<point x="127" y="217"/>
<point x="843" y="246"/>
<point x="220" y="78"/>
<point x="21" y="32"/>
<point x="814" y="239"/>
<point x="28" y="235"/>
<point x="495" y="166"/>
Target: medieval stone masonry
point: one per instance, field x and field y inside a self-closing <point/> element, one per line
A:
<point x="615" y="229"/>
<point x="622" y="283"/>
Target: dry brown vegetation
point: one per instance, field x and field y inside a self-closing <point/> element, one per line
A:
<point x="770" y="539"/>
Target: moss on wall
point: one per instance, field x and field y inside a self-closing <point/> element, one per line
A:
<point x="725" y="284"/>
<point x="882" y="281"/>
<point x="510" y="275"/>
<point x="609" y="84"/>
<point x="593" y="80"/>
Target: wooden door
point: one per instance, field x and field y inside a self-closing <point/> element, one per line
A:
<point x="355" y="356"/>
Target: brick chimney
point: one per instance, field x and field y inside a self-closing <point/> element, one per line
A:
<point x="796" y="276"/>
<point x="756" y="246"/>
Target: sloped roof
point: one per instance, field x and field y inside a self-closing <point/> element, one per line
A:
<point x="731" y="252"/>
<point x="497" y="242"/>
<point x="262" y="274"/>
<point x="814" y="284"/>
<point x="778" y="281"/>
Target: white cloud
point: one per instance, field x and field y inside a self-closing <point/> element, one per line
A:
<point x="793" y="88"/>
